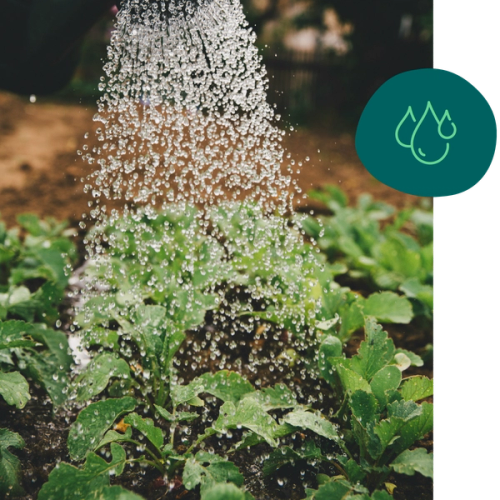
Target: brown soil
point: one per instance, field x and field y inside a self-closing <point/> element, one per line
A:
<point x="41" y="172"/>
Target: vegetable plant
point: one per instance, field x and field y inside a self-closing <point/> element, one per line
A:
<point x="32" y="281"/>
<point x="380" y="417"/>
<point x="153" y="282"/>
<point x="389" y="257"/>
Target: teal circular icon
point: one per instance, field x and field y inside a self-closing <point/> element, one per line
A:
<point x="427" y="132"/>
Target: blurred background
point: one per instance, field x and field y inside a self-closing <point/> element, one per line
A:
<point x="324" y="58"/>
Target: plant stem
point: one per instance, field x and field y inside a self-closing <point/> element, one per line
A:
<point x="149" y="462"/>
<point x="150" y="453"/>
<point x="198" y="441"/>
<point x="340" y="413"/>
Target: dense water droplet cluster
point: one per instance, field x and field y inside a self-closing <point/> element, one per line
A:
<point x="190" y="184"/>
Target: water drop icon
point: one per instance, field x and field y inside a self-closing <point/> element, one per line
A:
<point x="428" y="142"/>
<point x="406" y="122"/>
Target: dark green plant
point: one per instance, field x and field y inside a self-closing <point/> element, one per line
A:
<point x="33" y="276"/>
<point x="384" y="256"/>
<point x="376" y="425"/>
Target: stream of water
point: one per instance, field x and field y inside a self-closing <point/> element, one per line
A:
<point x="184" y="122"/>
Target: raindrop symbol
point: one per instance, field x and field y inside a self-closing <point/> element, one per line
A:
<point x="407" y="122"/>
<point x="427" y="141"/>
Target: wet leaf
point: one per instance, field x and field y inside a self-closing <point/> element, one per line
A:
<point x="97" y="375"/>
<point x="286" y="455"/>
<point x="247" y="414"/>
<point x="416" y="388"/>
<point x="10" y="466"/>
<point x="364" y="407"/>
<point x="330" y="347"/>
<point x="92" y="481"/>
<point x="15" y="389"/>
<point x="415" y="428"/>
<point x="219" y="471"/>
<point x="315" y="422"/>
<point x="113" y="436"/>
<point x="226" y="385"/>
<point x="388" y="307"/>
<point x="91" y="424"/>
<point x="386" y="379"/>
<point x="414" y="358"/>
<point x="44" y="367"/>
<point x="147" y="427"/>
<point x="374" y="353"/>
<point x="273" y="398"/>
<point x="411" y="461"/>
<point x="225" y="492"/>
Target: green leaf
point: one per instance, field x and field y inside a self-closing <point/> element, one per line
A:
<point x="335" y="490"/>
<point x="352" y="319"/>
<point x="12" y="334"/>
<point x="19" y="294"/>
<point x="57" y="343"/>
<point x="330" y="347"/>
<point x="415" y="290"/>
<point x="386" y="379"/>
<point x="405" y="410"/>
<point x="364" y="407"/>
<point x="225" y="492"/>
<point x="351" y="381"/>
<point x="146" y="427"/>
<point x="226" y="385"/>
<point x="178" y="417"/>
<point x="274" y="398"/>
<point x="118" y="493"/>
<point x="415" y="428"/>
<point x="249" y="414"/>
<point x="15" y="389"/>
<point x="388" y="307"/>
<point x="69" y="483"/>
<point x="219" y="471"/>
<point x="55" y="262"/>
<point x="286" y="455"/>
<point x="354" y="472"/>
<point x="115" y="437"/>
<point x="315" y="422"/>
<point x="175" y="341"/>
<point x="181" y="394"/>
<point x="381" y="495"/>
<point x="413" y="461"/>
<point x="10" y="466"/>
<point x="31" y="223"/>
<point x="97" y="375"/>
<point x="192" y="474"/>
<point x="395" y="255"/>
<point x="416" y="388"/>
<point x="374" y="353"/>
<point x="91" y="424"/>
<point x="44" y="367"/>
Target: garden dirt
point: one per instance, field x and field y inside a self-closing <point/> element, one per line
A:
<point x="40" y="170"/>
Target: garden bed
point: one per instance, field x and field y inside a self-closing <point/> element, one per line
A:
<point x="267" y="355"/>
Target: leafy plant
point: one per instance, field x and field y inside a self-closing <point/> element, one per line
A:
<point x="10" y="467"/>
<point x="379" y="420"/>
<point x="32" y="282"/>
<point x="243" y="408"/>
<point x="390" y="258"/>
